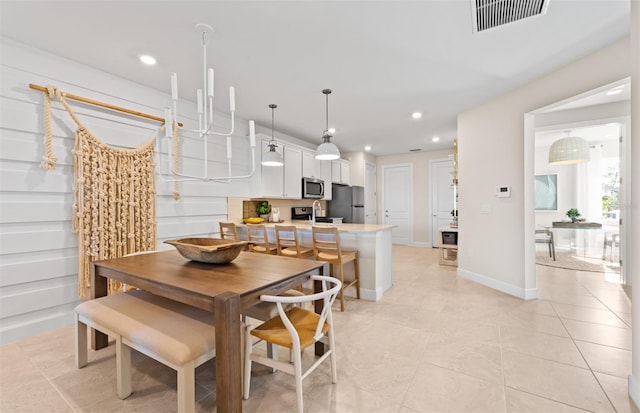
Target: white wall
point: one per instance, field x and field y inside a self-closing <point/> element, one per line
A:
<point x="492" y="152"/>
<point x="39" y="251"/>
<point x="357" y="167"/>
<point x="633" y="239"/>
<point x="421" y="185"/>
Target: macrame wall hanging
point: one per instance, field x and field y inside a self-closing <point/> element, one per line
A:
<point x="114" y="209"/>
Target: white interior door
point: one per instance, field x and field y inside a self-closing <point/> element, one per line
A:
<point x="442" y="197"/>
<point x="397" y="201"/>
<point x="370" y="197"/>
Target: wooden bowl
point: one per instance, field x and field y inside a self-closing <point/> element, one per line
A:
<point x="208" y="250"/>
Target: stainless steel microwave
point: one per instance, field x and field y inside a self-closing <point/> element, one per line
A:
<point x="312" y="188"/>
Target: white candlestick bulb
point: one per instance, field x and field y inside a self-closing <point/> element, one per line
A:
<point x="252" y="133"/>
<point x="232" y="99"/>
<point x="199" y="100"/>
<point x="210" y="83"/>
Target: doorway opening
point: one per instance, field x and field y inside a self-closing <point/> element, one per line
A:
<point x="592" y="188"/>
<point x="600" y="186"/>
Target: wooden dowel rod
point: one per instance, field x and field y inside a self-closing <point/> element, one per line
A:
<point x="103" y="104"/>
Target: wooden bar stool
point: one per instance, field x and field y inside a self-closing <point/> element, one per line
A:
<point x="287" y="243"/>
<point x="258" y="239"/>
<point x="228" y="230"/>
<point x="326" y="247"/>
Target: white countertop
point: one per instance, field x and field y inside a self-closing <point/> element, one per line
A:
<point x="447" y="228"/>
<point x="306" y="226"/>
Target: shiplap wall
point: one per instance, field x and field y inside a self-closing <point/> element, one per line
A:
<point x="38" y="251"/>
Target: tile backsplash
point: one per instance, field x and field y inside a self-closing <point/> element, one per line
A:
<point x="239" y="208"/>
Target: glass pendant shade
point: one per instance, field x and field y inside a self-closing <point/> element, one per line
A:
<point x="568" y="151"/>
<point x="327" y="151"/>
<point x="273" y="157"/>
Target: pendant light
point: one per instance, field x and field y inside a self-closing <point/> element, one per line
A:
<point x="569" y="150"/>
<point x="327" y="150"/>
<point x="273" y="157"/>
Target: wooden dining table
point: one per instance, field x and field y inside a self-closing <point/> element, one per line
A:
<point x="223" y="289"/>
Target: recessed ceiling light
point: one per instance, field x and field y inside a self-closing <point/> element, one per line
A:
<point x="416" y="115"/>
<point x="367" y="148"/>
<point x="435" y="139"/>
<point x="147" y="59"/>
<point x="332" y="130"/>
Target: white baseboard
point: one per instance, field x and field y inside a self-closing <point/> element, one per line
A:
<point x="524" y="293"/>
<point x="35" y="327"/>
<point x="421" y="244"/>
<point x="365" y="294"/>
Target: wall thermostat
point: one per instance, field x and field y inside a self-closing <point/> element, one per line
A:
<point x="503" y="191"/>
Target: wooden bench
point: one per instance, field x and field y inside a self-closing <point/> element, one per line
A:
<point x="175" y="334"/>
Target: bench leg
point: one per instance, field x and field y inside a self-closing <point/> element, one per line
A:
<point x="123" y="369"/>
<point x="187" y="388"/>
<point x="81" y="343"/>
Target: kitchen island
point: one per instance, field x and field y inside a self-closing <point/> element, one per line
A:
<point x="373" y="243"/>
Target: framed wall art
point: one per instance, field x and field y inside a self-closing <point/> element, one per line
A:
<point x="546" y="192"/>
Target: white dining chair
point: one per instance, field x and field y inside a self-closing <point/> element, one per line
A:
<point x="296" y="328"/>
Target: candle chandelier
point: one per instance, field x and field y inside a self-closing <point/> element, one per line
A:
<point x="205" y="122"/>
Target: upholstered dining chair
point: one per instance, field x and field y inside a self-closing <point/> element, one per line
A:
<point x="288" y="244"/>
<point x="545" y="236"/>
<point x="296" y="328"/>
<point x="259" y="240"/>
<point x="326" y="247"/>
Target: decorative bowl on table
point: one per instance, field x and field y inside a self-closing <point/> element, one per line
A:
<point x="254" y="220"/>
<point x="208" y="250"/>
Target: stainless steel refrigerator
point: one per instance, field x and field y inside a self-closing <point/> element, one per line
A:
<point x="347" y="202"/>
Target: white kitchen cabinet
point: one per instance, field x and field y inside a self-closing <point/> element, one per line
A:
<point x="341" y="171"/>
<point x="292" y="173"/>
<point x="311" y="167"/>
<point x="271" y="178"/>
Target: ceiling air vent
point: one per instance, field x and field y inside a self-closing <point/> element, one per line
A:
<point x="488" y="14"/>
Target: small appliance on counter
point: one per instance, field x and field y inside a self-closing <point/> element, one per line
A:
<point x="304" y="213"/>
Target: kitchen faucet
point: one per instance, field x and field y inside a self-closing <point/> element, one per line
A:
<point x="313" y="211"/>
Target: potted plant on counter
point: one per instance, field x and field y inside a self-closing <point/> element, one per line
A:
<point x="573" y="214"/>
<point x="263" y="209"/>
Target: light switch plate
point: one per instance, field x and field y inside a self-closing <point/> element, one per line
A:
<point x="503" y="191"/>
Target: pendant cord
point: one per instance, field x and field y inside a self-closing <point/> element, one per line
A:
<point x="327" y="129"/>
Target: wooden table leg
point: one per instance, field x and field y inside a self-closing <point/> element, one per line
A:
<point x="98" y="289"/>
<point x="228" y="353"/>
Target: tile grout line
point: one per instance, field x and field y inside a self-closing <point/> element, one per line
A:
<point x="593" y="374"/>
<point x="73" y="409"/>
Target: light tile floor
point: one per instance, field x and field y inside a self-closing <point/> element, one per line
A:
<point x="434" y="343"/>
